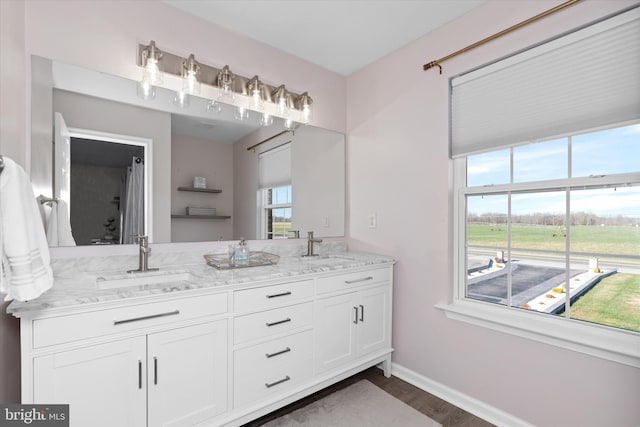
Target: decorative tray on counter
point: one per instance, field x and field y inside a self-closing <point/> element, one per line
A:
<point x="256" y="259"/>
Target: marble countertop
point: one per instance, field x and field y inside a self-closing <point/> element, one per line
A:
<point x="77" y="281"/>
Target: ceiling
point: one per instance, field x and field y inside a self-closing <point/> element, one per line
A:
<point x="340" y="35"/>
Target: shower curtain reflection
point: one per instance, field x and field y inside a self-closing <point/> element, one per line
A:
<point x="132" y="209"/>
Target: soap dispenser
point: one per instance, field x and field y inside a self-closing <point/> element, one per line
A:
<point x="242" y="253"/>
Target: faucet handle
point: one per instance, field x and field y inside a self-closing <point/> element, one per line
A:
<point x="141" y="239"/>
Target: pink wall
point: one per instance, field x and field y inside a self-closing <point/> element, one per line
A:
<point x="13" y="123"/>
<point x="398" y="167"/>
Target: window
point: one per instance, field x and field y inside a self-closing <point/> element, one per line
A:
<point x="274" y="194"/>
<point x="547" y="193"/>
<point x="528" y="238"/>
<point x="276" y="212"/>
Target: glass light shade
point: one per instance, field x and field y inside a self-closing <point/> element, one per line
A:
<point x="255" y="87"/>
<point x="241" y="113"/>
<point x="213" y="107"/>
<point x="191" y="84"/>
<point x="181" y="99"/>
<point x="289" y="124"/>
<point x="304" y="104"/>
<point x="280" y="98"/>
<point x="145" y="90"/>
<point x="152" y="65"/>
<point x="266" y="119"/>
<point x="306" y="114"/>
<point x="190" y="72"/>
<point x="225" y="85"/>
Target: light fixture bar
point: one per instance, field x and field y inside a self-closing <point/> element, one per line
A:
<point x="209" y="75"/>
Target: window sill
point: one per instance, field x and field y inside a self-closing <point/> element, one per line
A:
<point x="600" y="341"/>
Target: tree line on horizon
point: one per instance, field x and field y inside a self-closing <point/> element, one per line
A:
<point x="545" y="218"/>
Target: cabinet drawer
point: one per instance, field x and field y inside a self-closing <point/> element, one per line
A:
<point x="62" y="329"/>
<point x="272" y="322"/>
<point x="271" y="296"/>
<point x="272" y="367"/>
<point x="351" y="280"/>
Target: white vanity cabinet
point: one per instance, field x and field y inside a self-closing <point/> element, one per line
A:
<point x="152" y="372"/>
<point x="210" y="356"/>
<point x="353" y="317"/>
<point x="187" y="374"/>
<point x="274" y="347"/>
<point x="104" y="384"/>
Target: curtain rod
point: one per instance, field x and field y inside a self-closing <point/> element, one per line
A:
<point x="437" y="62"/>
<point x="268" y="139"/>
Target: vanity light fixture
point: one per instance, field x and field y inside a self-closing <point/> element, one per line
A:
<point x="266" y="119"/>
<point x="304" y="102"/>
<point x="181" y="99"/>
<point x="213" y="106"/>
<point x="152" y="65"/>
<point x="225" y="85"/>
<point x="280" y="98"/>
<point x="244" y="93"/>
<point x="289" y="125"/>
<point x="255" y="88"/>
<point x="146" y="90"/>
<point x="190" y="72"/>
<point x="241" y="113"/>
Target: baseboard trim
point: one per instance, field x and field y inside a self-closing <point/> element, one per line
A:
<point x="461" y="400"/>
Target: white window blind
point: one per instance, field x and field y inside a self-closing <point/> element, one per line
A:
<point x="274" y="167"/>
<point x="583" y="80"/>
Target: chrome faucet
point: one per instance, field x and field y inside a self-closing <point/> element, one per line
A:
<point x="310" y="242"/>
<point x="296" y="234"/>
<point x="143" y="259"/>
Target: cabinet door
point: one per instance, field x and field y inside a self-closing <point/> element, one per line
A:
<point x="335" y="331"/>
<point x="374" y="323"/>
<point x="187" y="374"/>
<point x="104" y="385"/>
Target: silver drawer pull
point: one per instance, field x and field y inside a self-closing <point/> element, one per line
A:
<point x="361" y="313"/>
<point x="287" y="378"/>
<point x="355" y="318"/>
<point x="278" y="322"/>
<point x="350" y="282"/>
<point x="277" y="353"/>
<point x="140" y="374"/>
<point x="284" y="294"/>
<point x="155" y="371"/>
<point x="152" y="316"/>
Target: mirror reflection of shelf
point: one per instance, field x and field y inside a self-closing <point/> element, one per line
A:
<point x="200" y="190"/>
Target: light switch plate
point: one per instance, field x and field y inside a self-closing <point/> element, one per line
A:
<point x="372" y="220"/>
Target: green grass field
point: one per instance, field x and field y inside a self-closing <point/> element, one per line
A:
<point x="596" y="239"/>
<point x="614" y="301"/>
<point x="281" y="229"/>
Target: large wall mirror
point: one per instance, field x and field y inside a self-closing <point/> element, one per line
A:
<point x="180" y="171"/>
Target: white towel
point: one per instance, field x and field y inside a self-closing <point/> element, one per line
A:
<point x="26" y="272"/>
<point x="59" y="226"/>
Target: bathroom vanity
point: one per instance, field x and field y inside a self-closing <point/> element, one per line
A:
<point x="209" y="348"/>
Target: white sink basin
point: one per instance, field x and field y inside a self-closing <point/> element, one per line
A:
<point x="120" y="280"/>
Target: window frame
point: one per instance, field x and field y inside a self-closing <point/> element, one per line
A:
<point x="602" y="341"/>
<point x="265" y="207"/>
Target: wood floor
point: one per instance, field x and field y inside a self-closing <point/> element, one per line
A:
<point x="430" y="405"/>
